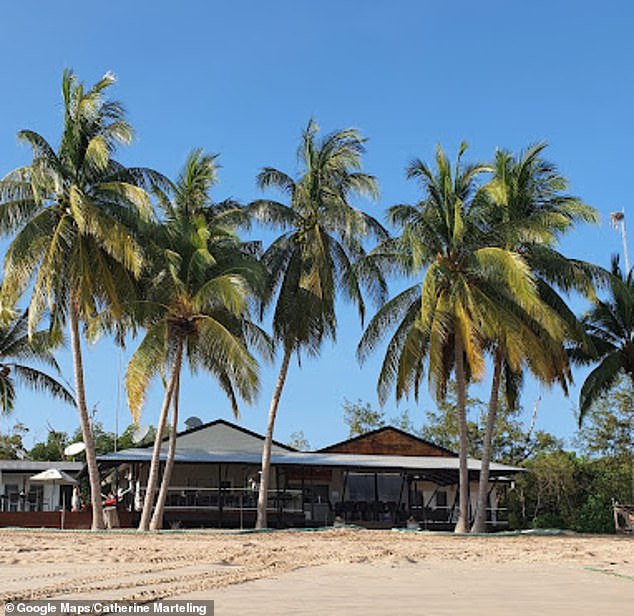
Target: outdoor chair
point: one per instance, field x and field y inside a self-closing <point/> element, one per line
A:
<point x="348" y="510"/>
<point x="376" y="510"/>
<point x="363" y="510"/>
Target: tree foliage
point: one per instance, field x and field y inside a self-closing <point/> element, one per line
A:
<point x="21" y="358"/>
<point x="75" y="214"/>
<point x="610" y="328"/>
<point x="297" y="440"/>
<point x="360" y="417"/>
<point x="12" y="442"/>
<point x="52" y="449"/>
<point x="576" y="489"/>
<point x="608" y="428"/>
<point x="564" y="490"/>
<point x="318" y="257"/>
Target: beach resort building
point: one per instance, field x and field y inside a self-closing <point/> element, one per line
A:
<point x="35" y="492"/>
<point x="380" y="479"/>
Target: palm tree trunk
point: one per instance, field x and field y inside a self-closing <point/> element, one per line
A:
<point x="84" y="419"/>
<point x="479" y="524"/>
<point x="261" y="521"/>
<point x="157" y="517"/>
<point x="152" y="481"/>
<point x="462" y="525"/>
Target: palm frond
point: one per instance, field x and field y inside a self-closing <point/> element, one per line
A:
<point x="598" y="382"/>
<point x="40" y="381"/>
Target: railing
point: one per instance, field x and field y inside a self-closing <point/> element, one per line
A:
<point x="444" y="515"/>
<point x="21" y="505"/>
<point x="230" y="499"/>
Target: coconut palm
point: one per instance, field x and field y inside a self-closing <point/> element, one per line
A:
<point x="17" y="350"/>
<point x="528" y="210"/>
<point x="195" y="309"/>
<point x="610" y="326"/>
<point x="470" y="289"/>
<point x="72" y="213"/>
<point x="314" y="259"/>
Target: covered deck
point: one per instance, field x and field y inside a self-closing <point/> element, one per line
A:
<point x="219" y="489"/>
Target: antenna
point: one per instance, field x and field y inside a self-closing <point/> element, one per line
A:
<point x="118" y="404"/>
<point x="139" y="434"/>
<point x="74" y="448"/>
<point x="93" y="414"/>
<point x="617" y="219"/>
<point x="193" y="422"/>
<point x="533" y="418"/>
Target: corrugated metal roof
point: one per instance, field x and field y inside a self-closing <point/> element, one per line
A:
<point x="413" y="463"/>
<point x="28" y="466"/>
<point x="220" y="431"/>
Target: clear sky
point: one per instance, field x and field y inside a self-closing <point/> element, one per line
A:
<point x="242" y="79"/>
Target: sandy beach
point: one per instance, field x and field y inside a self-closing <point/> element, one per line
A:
<point x="356" y="571"/>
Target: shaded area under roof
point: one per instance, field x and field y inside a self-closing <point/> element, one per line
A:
<point x="443" y="471"/>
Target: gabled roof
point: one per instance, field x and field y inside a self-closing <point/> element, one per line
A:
<point x="389" y="441"/>
<point x="384" y="450"/>
<point x="215" y="428"/>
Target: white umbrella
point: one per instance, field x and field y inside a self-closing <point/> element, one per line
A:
<point x="55" y="476"/>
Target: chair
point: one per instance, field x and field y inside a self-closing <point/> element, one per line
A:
<point x="349" y="508"/>
<point x="363" y="510"/>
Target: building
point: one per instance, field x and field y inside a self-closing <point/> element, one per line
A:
<point x="380" y="479"/>
<point x="18" y="493"/>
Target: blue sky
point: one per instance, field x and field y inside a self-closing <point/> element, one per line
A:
<point x="243" y="78"/>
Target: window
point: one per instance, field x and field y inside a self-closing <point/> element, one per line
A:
<point x="441" y="498"/>
<point x="35" y="498"/>
<point x="360" y="487"/>
<point x="11" y="492"/>
<point x="390" y="487"/>
<point x="316" y="494"/>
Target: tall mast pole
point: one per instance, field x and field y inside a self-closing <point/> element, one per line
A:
<point x="617" y="219"/>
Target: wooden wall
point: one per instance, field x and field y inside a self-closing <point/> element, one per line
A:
<point x="51" y="519"/>
<point x="388" y="442"/>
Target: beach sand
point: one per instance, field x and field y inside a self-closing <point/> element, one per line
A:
<point x="326" y="572"/>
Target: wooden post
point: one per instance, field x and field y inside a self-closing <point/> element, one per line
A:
<point x="303" y="495"/>
<point x="219" y="495"/>
<point x="312" y="495"/>
<point x="400" y="498"/>
<point x="279" y="514"/>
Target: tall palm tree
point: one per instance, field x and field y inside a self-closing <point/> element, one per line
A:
<point x="195" y="308"/>
<point x="610" y="326"/>
<point x="470" y="288"/>
<point x="73" y="213"/>
<point x="17" y="351"/>
<point x="314" y="259"/>
<point x="528" y="211"/>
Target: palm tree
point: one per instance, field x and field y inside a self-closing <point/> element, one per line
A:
<point x="315" y="257"/>
<point x="470" y="289"/>
<point x="528" y="211"/>
<point x="195" y="309"/>
<point x="610" y="327"/>
<point x="16" y="348"/>
<point x="73" y="213"/>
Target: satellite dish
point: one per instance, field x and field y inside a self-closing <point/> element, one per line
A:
<point x="75" y="448"/>
<point x="193" y="422"/>
<point x="140" y="433"/>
